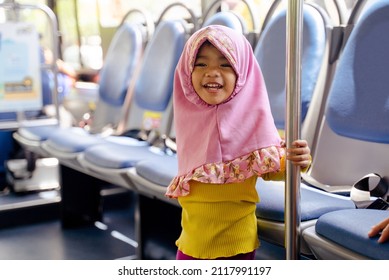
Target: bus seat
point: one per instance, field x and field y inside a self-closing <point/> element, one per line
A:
<point x="120" y="66"/>
<point x="343" y="235"/>
<point x="271" y="210"/>
<point x="271" y="55"/>
<point x="151" y="177"/>
<point x="357" y="113"/>
<point x="228" y="19"/>
<point x="354" y="139"/>
<point x="122" y="58"/>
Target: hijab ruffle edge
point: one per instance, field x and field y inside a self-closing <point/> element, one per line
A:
<point x="256" y="163"/>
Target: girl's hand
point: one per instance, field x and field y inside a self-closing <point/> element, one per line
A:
<point x="299" y="153"/>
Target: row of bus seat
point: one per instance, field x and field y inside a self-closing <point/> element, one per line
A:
<point x="353" y="139"/>
<point x="122" y="59"/>
<point x="349" y="132"/>
<point x="345" y="115"/>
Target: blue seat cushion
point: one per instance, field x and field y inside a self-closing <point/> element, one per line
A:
<point x="349" y="229"/>
<point x="117" y="156"/>
<point x="159" y="171"/>
<point x="313" y="203"/>
<point x="72" y="140"/>
<point x="38" y="133"/>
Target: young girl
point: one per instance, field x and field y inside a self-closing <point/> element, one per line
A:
<point x="226" y="138"/>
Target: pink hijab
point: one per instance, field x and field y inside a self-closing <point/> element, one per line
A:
<point x="214" y="139"/>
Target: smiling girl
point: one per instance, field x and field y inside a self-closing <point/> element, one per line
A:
<point x="226" y="139"/>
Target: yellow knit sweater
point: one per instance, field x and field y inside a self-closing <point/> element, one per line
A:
<point x="218" y="220"/>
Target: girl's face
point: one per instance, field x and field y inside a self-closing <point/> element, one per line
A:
<point x="213" y="77"/>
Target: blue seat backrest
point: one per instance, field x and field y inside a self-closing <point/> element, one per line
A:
<point x="270" y="52"/>
<point x="359" y="99"/>
<point x="154" y="86"/>
<point x="354" y="133"/>
<point x="228" y="19"/>
<point x="120" y="63"/>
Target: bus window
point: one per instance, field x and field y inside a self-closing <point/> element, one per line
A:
<point x="85" y="38"/>
<point x="80" y="36"/>
<point x="112" y="12"/>
<point x="34" y="16"/>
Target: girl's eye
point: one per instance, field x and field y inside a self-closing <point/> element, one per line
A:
<point x="199" y="64"/>
<point x="226" y="65"/>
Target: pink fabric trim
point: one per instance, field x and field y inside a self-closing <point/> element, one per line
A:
<point x="255" y="163"/>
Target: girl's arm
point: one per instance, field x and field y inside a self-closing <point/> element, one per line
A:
<point x="299" y="154"/>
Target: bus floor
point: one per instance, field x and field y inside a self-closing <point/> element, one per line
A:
<point x="35" y="232"/>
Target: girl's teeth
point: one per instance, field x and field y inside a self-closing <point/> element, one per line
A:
<point x="212" y="85"/>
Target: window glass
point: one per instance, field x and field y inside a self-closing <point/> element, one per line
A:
<point x="113" y="11"/>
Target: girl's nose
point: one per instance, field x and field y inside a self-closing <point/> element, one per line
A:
<point x="212" y="72"/>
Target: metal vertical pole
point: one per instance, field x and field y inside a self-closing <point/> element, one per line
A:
<point x="293" y="108"/>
